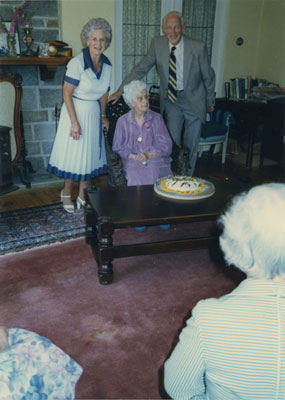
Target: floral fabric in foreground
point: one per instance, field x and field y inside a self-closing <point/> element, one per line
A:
<point x="32" y="367"/>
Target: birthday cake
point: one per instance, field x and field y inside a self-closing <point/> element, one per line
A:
<point x="184" y="187"/>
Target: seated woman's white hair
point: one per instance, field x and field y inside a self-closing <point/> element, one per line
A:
<point x="130" y="91"/>
<point x="254" y="231"/>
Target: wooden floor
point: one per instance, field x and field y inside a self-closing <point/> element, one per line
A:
<point x="26" y="198"/>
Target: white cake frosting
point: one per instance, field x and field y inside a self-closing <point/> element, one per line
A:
<point x="182" y="184"/>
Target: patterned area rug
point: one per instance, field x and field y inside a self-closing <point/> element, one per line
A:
<point x="36" y="226"/>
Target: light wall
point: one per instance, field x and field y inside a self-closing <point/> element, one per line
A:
<point x="75" y="14"/>
<point x="271" y="54"/>
<point x="261" y="24"/>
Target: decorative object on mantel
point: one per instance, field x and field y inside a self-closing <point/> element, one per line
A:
<point x="28" y="39"/>
<point x="55" y="46"/>
<point x="43" y="50"/>
<point x="9" y="44"/>
<point x="20" y="18"/>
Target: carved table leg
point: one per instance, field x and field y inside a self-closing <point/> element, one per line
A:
<point x="105" y="242"/>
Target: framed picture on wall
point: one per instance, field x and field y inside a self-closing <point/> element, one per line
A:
<point x="3" y="41"/>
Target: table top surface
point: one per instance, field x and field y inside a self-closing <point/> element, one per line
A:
<point x="141" y="205"/>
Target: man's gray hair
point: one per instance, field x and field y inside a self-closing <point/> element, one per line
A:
<point x="175" y="13"/>
<point x="94" y="24"/>
<point x="130" y="91"/>
<point x="254" y="231"/>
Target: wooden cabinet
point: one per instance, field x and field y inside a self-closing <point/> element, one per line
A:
<point x="273" y="144"/>
<point x="6" y="175"/>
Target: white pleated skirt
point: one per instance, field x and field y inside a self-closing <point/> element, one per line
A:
<point x="80" y="159"/>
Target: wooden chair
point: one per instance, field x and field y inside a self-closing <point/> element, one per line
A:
<point x="116" y="176"/>
<point x="216" y="132"/>
<point x="10" y="116"/>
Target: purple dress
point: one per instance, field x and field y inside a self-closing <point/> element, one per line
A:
<point x="152" y="136"/>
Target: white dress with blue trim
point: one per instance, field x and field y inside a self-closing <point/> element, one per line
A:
<point x="85" y="158"/>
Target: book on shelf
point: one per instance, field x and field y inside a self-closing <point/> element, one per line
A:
<point x="227" y="90"/>
<point x="244" y="88"/>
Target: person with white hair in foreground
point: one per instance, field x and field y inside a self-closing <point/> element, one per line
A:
<point x="234" y="347"/>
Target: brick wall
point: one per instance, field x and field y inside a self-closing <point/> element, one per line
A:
<point x="39" y="97"/>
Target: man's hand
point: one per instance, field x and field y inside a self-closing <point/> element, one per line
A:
<point x="114" y="97"/>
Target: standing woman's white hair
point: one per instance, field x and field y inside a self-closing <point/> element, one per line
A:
<point x="254" y="231"/>
<point x="130" y="91"/>
<point x="96" y="24"/>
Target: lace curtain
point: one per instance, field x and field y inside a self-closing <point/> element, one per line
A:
<point x="142" y="21"/>
<point x="199" y="16"/>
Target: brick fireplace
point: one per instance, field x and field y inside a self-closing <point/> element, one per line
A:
<point x="39" y="97"/>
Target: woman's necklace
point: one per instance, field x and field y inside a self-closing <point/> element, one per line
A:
<point x="96" y="63"/>
<point x="97" y="66"/>
<point x="139" y="122"/>
<point x="139" y="139"/>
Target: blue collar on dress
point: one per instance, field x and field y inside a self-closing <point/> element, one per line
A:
<point x="89" y="64"/>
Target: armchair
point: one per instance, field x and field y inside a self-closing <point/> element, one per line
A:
<point x="216" y="132"/>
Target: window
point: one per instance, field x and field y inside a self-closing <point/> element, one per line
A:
<point x="141" y="22"/>
<point x="199" y="16"/>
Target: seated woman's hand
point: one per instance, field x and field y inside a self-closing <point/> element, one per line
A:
<point x="142" y="157"/>
<point x="150" y="154"/>
<point x="75" y="131"/>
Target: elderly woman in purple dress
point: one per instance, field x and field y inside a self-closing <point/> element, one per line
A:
<point x="141" y="139"/>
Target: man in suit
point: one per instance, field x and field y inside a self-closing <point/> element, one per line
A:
<point x="193" y="85"/>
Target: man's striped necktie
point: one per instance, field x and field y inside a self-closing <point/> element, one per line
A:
<point x="172" y="83"/>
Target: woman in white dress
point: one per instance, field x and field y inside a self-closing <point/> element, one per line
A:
<point x="78" y="152"/>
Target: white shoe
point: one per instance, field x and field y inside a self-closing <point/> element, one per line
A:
<point x="69" y="207"/>
<point x="80" y="203"/>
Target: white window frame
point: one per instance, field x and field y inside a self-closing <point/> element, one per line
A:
<point x="219" y="39"/>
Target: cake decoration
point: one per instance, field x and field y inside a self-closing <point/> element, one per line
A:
<point x="184" y="187"/>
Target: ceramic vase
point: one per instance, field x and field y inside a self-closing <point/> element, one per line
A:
<point x="11" y="43"/>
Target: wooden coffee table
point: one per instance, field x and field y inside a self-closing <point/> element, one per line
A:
<point x="112" y="208"/>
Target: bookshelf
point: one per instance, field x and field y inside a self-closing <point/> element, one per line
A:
<point x="252" y="88"/>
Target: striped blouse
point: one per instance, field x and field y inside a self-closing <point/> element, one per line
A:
<point x="232" y="347"/>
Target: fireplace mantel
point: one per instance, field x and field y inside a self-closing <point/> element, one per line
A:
<point x="48" y="65"/>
